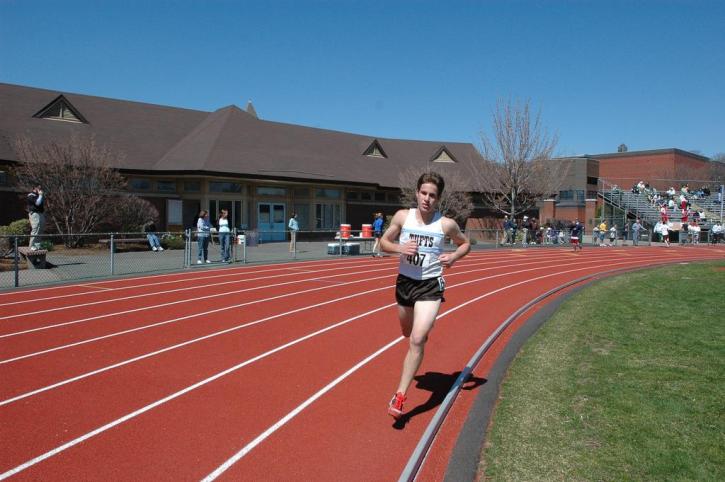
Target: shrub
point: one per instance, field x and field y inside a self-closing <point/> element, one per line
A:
<point x="19" y="227"/>
<point x="171" y="241"/>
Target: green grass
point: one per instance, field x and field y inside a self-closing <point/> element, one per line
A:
<point x="625" y="382"/>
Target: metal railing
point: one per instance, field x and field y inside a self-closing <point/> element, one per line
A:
<point x="61" y="258"/>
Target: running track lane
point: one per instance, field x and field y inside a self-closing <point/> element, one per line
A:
<point x="193" y="434"/>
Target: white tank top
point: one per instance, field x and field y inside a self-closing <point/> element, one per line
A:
<point x="424" y="264"/>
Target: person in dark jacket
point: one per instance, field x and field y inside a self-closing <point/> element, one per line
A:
<point x="36" y="214"/>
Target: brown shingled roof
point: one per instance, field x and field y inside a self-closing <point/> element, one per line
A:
<point x="228" y="140"/>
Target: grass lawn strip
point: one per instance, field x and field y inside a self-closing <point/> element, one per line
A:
<point x="625" y="382"/>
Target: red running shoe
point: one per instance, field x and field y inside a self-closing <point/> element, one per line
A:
<point x="395" y="407"/>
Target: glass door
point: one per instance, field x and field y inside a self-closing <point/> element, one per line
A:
<point x="271" y="222"/>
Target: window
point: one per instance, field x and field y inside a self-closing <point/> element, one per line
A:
<point x="327" y="216"/>
<point x="137" y="184"/>
<point x="592" y="180"/>
<point x="271" y="191"/>
<point x="224" y="186"/>
<point x="353" y="195"/>
<point x="301" y="192"/>
<point x="166" y="186"/>
<point x="3" y="178"/>
<point x="366" y="196"/>
<point x="328" y="193"/>
<point x="566" y="195"/>
<point x="380" y="196"/>
<point x="192" y="186"/>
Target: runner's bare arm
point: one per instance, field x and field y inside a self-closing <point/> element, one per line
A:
<point x="451" y="229"/>
<point x="388" y="241"/>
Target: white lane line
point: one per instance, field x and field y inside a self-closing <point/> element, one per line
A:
<point x="238" y="273"/>
<point x="110" y="335"/>
<point x="189" y="342"/>
<point x="188" y="300"/>
<point x="228" y="330"/>
<point x="193" y="315"/>
<point x="144" y="295"/>
<point x="264" y="435"/>
<point x="284" y="420"/>
<point x="201" y="383"/>
<point x="194" y="299"/>
<point x="185" y="276"/>
<point x="85" y="286"/>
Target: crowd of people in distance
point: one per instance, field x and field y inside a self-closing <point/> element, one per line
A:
<point x="668" y="202"/>
<point x="528" y="231"/>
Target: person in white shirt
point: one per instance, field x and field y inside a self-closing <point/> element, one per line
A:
<point x="293" y="226"/>
<point x="694" y="232"/>
<point x="665" y="231"/>
<point x="225" y="235"/>
<point x="717" y="233"/>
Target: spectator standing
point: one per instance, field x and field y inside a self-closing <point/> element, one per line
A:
<point x="602" y="232"/>
<point x="636" y="228"/>
<point x="665" y="232"/>
<point x="595" y="235"/>
<point x="203" y="232"/>
<point x="526" y="224"/>
<point x="717" y="232"/>
<point x="694" y="231"/>
<point x="36" y="215"/>
<point x="293" y="226"/>
<point x="150" y="229"/>
<point x="225" y="236"/>
<point x="625" y="232"/>
<point x="506" y="230"/>
<point x="377" y="233"/>
<point x="663" y="214"/>
<point x="576" y="233"/>
<point x="613" y="235"/>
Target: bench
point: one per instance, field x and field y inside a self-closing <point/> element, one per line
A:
<point x="35" y="258"/>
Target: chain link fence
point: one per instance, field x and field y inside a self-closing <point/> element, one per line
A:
<point x="101" y="255"/>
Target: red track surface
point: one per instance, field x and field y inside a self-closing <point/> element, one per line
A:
<point x="259" y="373"/>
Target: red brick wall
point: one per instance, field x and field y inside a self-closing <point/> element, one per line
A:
<point x="628" y="170"/>
<point x="660" y="170"/>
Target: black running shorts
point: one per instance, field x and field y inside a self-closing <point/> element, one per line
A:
<point x="409" y="290"/>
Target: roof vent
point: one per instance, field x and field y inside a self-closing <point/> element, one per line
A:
<point x="375" y="150"/>
<point x="443" y="155"/>
<point x="61" y="109"/>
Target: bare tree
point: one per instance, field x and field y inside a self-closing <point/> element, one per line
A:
<point x="455" y="202"/>
<point x="517" y="170"/>
<point x="83" y="189"/>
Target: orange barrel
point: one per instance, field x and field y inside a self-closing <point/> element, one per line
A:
<point x="345" y="231"/>
<point x="367" y="231"/>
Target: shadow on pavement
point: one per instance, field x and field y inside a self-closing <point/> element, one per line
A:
<point x="438" y="384"/>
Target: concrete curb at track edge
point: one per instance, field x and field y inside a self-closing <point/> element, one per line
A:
<point x="415" y="462"/>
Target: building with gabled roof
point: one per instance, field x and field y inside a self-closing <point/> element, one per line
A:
<point x="261" y="171"/>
